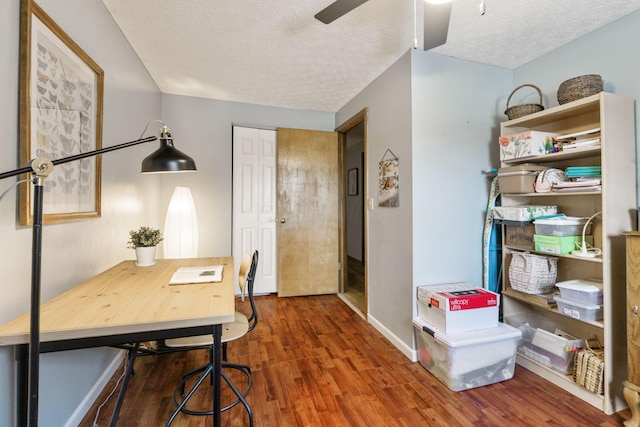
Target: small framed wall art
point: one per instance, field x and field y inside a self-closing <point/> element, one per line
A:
<point x="61" y="95"/>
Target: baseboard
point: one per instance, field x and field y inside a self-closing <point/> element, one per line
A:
<point x="86" y="404"/>
<point x="400" y="345"/>
<point x="353" y="307"/>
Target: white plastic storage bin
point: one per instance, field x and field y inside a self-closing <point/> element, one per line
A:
<point x="576" y="310"/>
<point x="465" y="360"/>
<point x="587" y="292"/>
<point x="561" y="226"/>
<point x="543" y="342"/>
<point x="458" y="307"/>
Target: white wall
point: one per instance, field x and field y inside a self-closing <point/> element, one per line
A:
<point x="74" y="251"/>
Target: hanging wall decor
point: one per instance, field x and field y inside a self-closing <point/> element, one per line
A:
<point x="389" y="193"/>
<point x="61" y="92"/>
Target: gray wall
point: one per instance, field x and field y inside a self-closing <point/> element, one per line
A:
<point x="208" y="124"/>
<point x="438" y="115"/>
<point x="390" y="235"/>
<point x="456" y="113"/>
<point x="202" y="129"/>
<point x="404" y="243"/>
<point x="74" y="251"/>
<point x="354" y="205"/>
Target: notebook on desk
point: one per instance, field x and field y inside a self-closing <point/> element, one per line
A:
<point x="200" y="274"/>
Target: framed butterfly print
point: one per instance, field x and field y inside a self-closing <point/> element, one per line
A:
<point x="61" y="96"/>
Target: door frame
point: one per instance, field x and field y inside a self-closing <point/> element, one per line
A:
<point x="355" y="120"/>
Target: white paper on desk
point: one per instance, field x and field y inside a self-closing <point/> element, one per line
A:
<point x="201" y="274"/>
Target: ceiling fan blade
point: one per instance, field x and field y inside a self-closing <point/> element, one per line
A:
<point x="336" y="9"/>
<point x="436" y="24"/>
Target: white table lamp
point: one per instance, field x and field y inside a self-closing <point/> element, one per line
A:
<point x="181" y="226"/>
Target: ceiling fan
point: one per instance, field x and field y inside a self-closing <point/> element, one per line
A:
<point x="436" y="18"/>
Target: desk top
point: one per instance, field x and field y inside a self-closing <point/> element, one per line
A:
<point x="128" y="299"/>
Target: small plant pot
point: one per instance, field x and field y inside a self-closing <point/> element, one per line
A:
<point x="145" y="256"/>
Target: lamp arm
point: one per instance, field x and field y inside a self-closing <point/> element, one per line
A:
<point x="28" y="169"/>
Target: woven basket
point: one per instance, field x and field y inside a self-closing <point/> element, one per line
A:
<point x="523" y="109"/>
<point x="588" y="367"/>
<point x="532" y="274"/>
<point x="579" y="87"/>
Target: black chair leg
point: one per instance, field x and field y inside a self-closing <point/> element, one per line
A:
<point x="208" y="369"/>
<point x="205" y="371"/>
<point x="240" y="396"/>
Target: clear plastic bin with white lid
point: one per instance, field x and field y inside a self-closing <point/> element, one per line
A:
<point x="561" y="225"/>
<point x="583" y="291"/>
<point x="579" y="311"/>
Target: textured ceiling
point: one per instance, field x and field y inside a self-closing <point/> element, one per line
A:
<point x="273" y="52"/>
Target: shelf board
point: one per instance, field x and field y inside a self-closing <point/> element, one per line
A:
<point x="590" y="104"/>
<point x="556" y="157"/>
<point x="544" y="301"/>
<point x="563" y="381"/>
<point x="555" y="193"/>
<point x="597" y="259"/>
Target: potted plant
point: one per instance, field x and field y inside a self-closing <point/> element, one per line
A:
<point x="144" y="241"/>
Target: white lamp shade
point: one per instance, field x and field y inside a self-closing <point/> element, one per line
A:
<point x="181" y="226"/>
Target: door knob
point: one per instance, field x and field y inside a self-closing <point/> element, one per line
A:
<point x="282" y="220"/>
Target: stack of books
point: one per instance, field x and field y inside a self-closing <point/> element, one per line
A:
<point x="579" y="140"/>
<point x="581" y="178"/>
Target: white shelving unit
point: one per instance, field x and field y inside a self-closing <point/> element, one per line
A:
<point x="614" y="115"/>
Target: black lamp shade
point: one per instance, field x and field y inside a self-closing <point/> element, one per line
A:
<point x="167" y="158"/>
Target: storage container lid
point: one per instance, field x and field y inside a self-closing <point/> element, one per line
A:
<point x="576" y="304"/>
<point x="460" y="339"/>
<point x="582" y="285"/>
<point x="523" y="169"/>
<point x="561" y="220"/>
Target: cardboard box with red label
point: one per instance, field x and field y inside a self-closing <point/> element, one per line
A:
<point x="458" y="307"/>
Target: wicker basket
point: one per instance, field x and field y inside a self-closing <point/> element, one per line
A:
<point x="579" y="87"/>
<point x="532" y="274"/>
<point x="588" y="367"/>
<point x="523" y="109"/>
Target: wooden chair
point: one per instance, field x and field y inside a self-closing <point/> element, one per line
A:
<point x="230" y="332"/>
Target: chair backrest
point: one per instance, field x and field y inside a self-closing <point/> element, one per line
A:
<point x="246" y="279"/>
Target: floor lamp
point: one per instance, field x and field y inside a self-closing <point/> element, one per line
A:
<point x="166" y="159"/>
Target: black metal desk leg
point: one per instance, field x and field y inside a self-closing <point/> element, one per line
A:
<point x="125" y="383"/>
<point x="22" y="389"/>
<point x="217" y="375"/>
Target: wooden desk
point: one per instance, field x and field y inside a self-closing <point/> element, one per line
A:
<point x="127" y="304"/>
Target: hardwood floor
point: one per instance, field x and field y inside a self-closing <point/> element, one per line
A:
<point x="317" y="363"/>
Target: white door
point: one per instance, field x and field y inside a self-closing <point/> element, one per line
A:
<point x="254" y="202"/>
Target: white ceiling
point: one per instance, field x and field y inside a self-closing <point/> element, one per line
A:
<point x="273" y="52"/>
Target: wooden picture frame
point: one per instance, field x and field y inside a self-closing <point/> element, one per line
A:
<point x="61" y="97"/>
<point x="352" y="182"/>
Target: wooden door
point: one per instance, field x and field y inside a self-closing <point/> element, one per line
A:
<point x="307" y="211"/>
